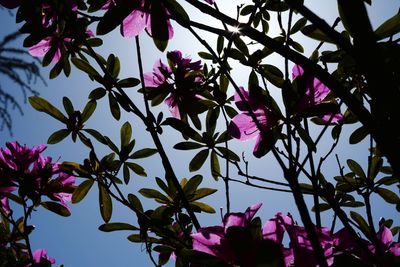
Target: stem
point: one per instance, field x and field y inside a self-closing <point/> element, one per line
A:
<point x="226" y="179"/>
<point x="169" y="171"/>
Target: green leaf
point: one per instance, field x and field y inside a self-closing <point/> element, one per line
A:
<point x="136" y="168"/>
<point x="202" y="192"/>
<point x="139" y="238"/>
<point x="85" y="67"/>
<point x="88" y="110"/>
<point x="43" y="105"/>
<point x="358" y="135"/>
<point x="298" y="25"/>
<point x="97" y="93"/>
<point x="177" y="11"/>
<point x="152" y="193"/>
<point x="69" y="108"/>
<point x="322" y="207"/>
<point x="188" y="145"/>
<point x="220" y="44"/>
<point x="143" y="153"/>
<point x="361" y="222"/>
<point x="159" y="26"/>
<point x="388" y="196"/>
<point x="215" y="168"/>
<point x="184" y="128"/>
<point x="389" y="28"/>
<point x="117" y="226"/>
<point x="241" y="45"/>
<point x="105" y="203"/>
<point x="273" y="75"/>
<point x="97" y="135"/>
<point x="198" y="160"/>
<point x="191" y="186"/>
<point x="356" y="168"/>
<point x="306" y="139"/>
<point x="125" y="134"/>
<point x="114" y="107"/>
<point x="203" y="207"/>
<point x="205" y="55"/>
<point x="111" y="144"/>
<point x="126" y="174"/>
<point x="315" y="33"/>
<point x="56" y="208"/>
<point x="135" y="202"/>
<point x="113" y="65"/>
<point x="58" y="136"/>
<point x="128" y="82"/>
<point x="228" y="153"/>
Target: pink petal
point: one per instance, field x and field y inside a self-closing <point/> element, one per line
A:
<point x="238" y="100"/>
<point x="134" y="23"/>
<point x="172" y="103"/>
<point x="41" y="48"/>
<point x="243" y="128"/>
<point x="297" y="71"/>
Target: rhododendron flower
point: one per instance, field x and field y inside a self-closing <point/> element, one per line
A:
<point x="10" y="3"/>
<point x="178" y="83"/>
<point x="385" y="238"/>
<point x="41" y="48"/>
<point x="345" y="242"/>
<point x="300" y="251"/>
<point x="24" y="168"/>
<point x="243" y="127"/>
<point x="315" y="94"/>
<point x="40" y="257"/>
<point x="140" y="19"/>
<point x="65" y="183"/>
<point x="221" y="241"/>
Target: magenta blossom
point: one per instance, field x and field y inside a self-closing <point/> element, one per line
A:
<point x="387" y="243"/>
<point x="300" y="251"/>
<point x="243" y="127"/>
<point x="315" y="94"/>
<point x="222" y="241"/>
<point x="179" y="84"/>
<point x="139" y="19"/>
<point x="40" y="257"/>
<point x="41" y="48"/>
<point x="25" y="168"/>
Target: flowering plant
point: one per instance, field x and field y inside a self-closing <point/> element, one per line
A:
<point x="289" y="115"/>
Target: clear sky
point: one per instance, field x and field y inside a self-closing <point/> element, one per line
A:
<point x="75" y="241"/>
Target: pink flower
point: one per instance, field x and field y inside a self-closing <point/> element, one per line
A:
<point x="315" y="93"/>
<point x="41" y="48"/>
<point x="177" y="83"/>
<point x="140" y="19"/>
<point x="300" y="252"/>
<point x="222" y="241"/>
<point x="385" y="238"/>
<point x="243" y="127"/>
<point x="24" y="168"/>
<point x="63" y="192"/>
<point x="40" y="256"/>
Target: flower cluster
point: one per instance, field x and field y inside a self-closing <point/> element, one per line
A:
<point x="257" y="115"/>
<point x="25" y="169"/>
<point x="179" y="83"/>
<point x="235" y="242"/>
<point x="141" y="17"/>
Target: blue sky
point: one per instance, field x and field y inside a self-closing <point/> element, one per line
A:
<point x="75" y="241"/>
